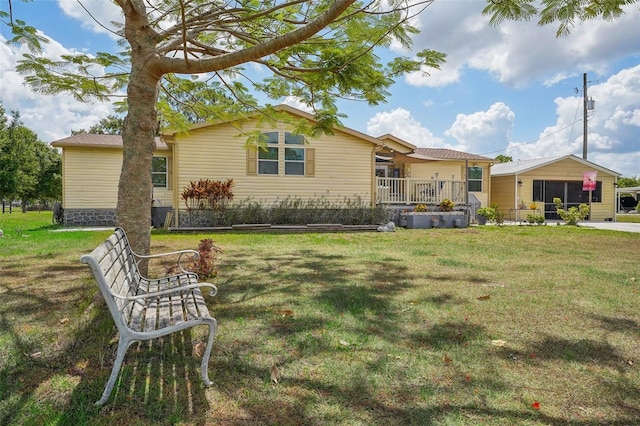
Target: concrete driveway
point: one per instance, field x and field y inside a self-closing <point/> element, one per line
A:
<point x="612" y="226"/>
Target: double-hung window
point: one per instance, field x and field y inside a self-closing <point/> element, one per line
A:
<point x="475" y="178"/>
<point x="159" y="172"/>
<point x="284" y="154"/>
<point x="268" y="158"/>
<point x="293" y="154"/>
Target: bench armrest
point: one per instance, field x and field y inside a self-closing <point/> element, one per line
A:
<point x="179" y="253"/>
<point x="213" y="292"/>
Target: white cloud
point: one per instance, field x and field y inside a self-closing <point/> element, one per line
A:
<point x="519" y="53"/>
<point x="104" y="12"/>
<point x="557" y="78"/>
<point x="448" y="74"/>
<point x="295" y="103"/>
<point x="483" y="131"/>
<point x="399" y="122"/>
<point x="613" y="128"/>
<point x="50" y="116"/>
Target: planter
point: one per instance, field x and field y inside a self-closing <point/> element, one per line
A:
<point x="481" y="220"/>
<point x="449" y="218"/>
<point x="419" y="220"/>
<point x="422" y="220"/>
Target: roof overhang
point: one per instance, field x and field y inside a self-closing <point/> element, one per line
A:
<point x="170" y="135"/>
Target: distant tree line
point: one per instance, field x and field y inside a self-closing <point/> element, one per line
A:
<point x="112" y="125"/>
<point x="628" y="182"/>
<point x="30" y="170"/>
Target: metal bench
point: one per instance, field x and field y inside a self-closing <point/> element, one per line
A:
<point x="144" y="308"/>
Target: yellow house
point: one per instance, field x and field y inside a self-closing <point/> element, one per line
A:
<point x="529" y="187"/>
<point x="91" y="166"/>
<point x="344" y="165"/>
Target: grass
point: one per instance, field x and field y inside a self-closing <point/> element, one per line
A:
<point x="630" y="218"/>
<point x="370" y="328"/>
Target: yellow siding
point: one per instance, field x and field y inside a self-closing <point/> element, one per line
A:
<point x="504" y="187"/>
<point x="162" y="197"/>
<point x="503" y="192"/>
<point x="343" y="166"/>
<point x="91" y="178"/>
<point x="570" y="170"/>
<point x="452" y="170"/>
<point x="445" y="170"/>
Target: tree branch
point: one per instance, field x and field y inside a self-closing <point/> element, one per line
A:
<point x="228" y="60"/>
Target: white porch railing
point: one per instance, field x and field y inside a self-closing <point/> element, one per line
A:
<point x="420" y="191"/>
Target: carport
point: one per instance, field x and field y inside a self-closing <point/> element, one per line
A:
<point x="633" y="190"/>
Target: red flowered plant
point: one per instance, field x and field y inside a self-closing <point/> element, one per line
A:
<point x="536" y="405"/>
<point x="207" y="194"/>
<point x="204" y="265"/>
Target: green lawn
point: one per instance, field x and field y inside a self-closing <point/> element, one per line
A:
<point x="631" y="218"/>
<point x="486" y="325"/>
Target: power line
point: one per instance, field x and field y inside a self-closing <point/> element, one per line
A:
<point x="535" y="140"/>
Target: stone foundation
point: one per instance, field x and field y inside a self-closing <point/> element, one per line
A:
<point x="89" y="217"/>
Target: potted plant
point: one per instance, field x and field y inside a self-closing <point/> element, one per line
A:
<point x="446" y="205"/>
<point x="483" y="214"/>
<point x="533" y="206"/>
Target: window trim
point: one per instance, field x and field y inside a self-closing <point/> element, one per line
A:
<point x="271" y="145"/>
<point x="156" y="173"/>
<point x="285" y="140"/>
<point x="470" y="180"/>
<point x="297" y="142"/>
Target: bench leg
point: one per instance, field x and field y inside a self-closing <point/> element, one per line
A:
<point x="123" y="345"/>
<point x="213" y="326"/>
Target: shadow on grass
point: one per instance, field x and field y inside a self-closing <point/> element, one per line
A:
<point x="295" y="400"/>
<point x="64" y="366"/>
<point x="439" y="336"/>
<point x="582" y="351"/>
<point x="617" y="324"/>
<point x="160" y="383"/>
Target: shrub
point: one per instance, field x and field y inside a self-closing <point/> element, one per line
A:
<point x="488" y="212"/>
<point x="535" y="219"/>
<point x="204" y="264"/>
<point x="573" y="215"/>
<point x="207" y="194"/>
<point x="446" y="205"/>
<point x="295" y="211"/>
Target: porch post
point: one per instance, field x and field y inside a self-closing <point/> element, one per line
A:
<point x="407" y="196"/>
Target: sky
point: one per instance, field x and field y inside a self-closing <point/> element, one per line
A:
<point x="513" y="90"/>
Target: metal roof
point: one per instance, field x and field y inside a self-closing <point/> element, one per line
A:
<point x="523" y="166"/>
<point x="97" y="141"/>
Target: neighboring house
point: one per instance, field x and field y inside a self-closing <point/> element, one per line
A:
<point x="344" y="165"/>
<point x="518" y="184"/>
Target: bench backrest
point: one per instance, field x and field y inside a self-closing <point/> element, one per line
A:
<point x="114" y="267"/>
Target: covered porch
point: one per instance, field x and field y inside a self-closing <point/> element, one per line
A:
<point x="420" y="191"/>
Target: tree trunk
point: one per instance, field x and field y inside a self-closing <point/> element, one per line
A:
<point x="135" y="188"/>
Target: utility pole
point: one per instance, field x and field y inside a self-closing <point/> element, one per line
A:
<point x="584" y="117"/>
<point x="588" y="105"/>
